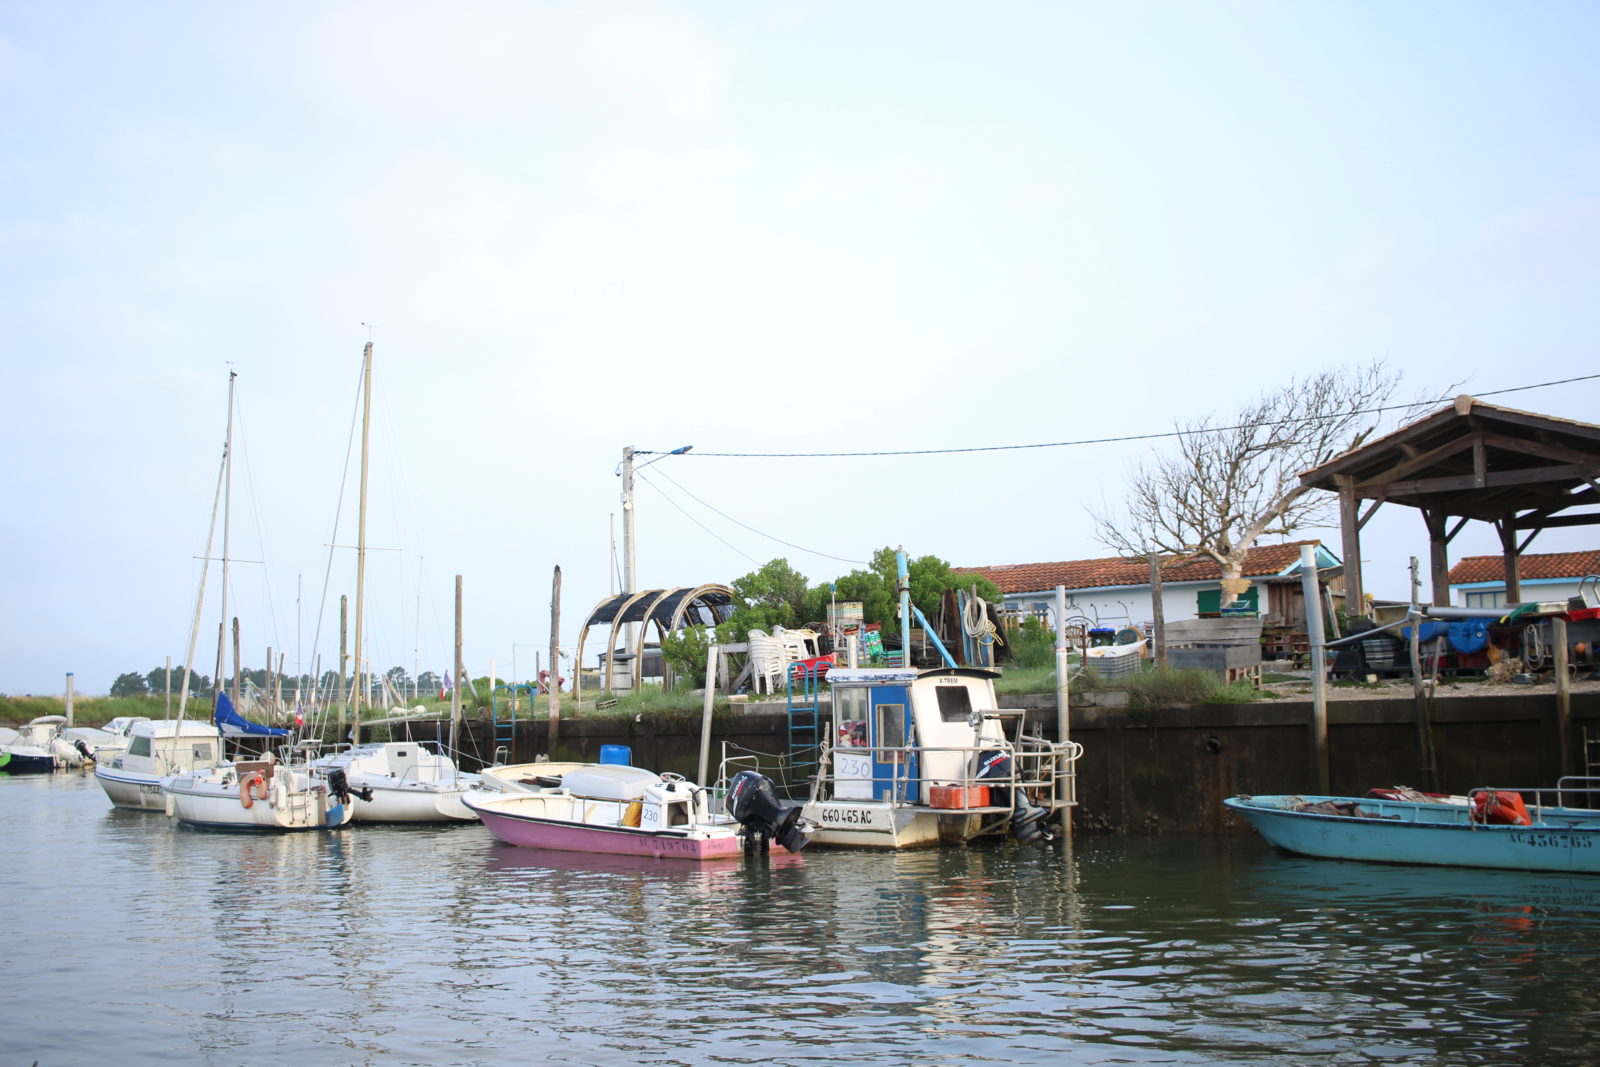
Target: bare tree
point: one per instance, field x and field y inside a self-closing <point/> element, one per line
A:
<point x="1228" y="485"/>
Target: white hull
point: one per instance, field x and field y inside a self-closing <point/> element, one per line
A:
<point x="410" y="782"/>
<point x="870" y="824"/>
<point x="293" y="801"/>
<point x="426" y="802"/>
<point x="131" y="789"/>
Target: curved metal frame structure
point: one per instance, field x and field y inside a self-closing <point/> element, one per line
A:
<point x="666" y="608"/>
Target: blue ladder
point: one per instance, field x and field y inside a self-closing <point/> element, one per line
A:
<point x="805" y="726"/>
<point x="503" y="716"/>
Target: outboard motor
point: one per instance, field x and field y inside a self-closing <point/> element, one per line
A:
<point x="83" y="750"/>
<point x="994" y="764"/>
<point x="1027" y="820"/>
<point x="754" y="806"/>
<point x="339" y="786"/>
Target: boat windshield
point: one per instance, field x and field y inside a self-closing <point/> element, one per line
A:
<point x="850" y="708"/>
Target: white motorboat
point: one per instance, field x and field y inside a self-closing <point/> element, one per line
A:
<point x="402" y="781"/>
<point x="40" y="747"/>
<point x="262" y="795"/>
<point x="156" y="750"/>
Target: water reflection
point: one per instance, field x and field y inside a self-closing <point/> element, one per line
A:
<point x="440" y="945"/>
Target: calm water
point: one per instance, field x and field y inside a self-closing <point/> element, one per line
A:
<point x="135" y="941"/>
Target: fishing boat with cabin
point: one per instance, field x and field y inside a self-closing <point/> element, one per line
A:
<point x="908" y="756"/>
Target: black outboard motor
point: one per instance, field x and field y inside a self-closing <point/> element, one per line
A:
<point x="1027" y="820"/>
<point x="83" y="750"/>
<point x="754" y="805"/>
<point x="995" y="764"/>
<point x="339" y="786"/>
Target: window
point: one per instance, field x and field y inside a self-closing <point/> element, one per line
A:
<point x="139" y="746"/>
<point x="1486" y="598"/>
<point x="955" y="703"/>
<point x="850" y="708"/>
<point x="891" y="729"/>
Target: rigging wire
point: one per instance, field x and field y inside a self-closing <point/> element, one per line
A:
<point x="1099" y="440"/>
<point x="752" y="529"/>
<point x="255" y="512"/>
<point x="333" y="540"/>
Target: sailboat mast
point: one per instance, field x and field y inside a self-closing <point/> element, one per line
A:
<point x="361" y="528"/>
<point x="227" y="512"/>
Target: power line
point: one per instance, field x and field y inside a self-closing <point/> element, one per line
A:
<point x="752" y="529"/>
<point x="638" y="474"/>
<point x="1096" y="440"/>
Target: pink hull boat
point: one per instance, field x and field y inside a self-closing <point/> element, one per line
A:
<point x="706" y="843"/>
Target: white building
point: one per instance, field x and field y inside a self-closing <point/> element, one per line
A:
<point x="1117" y="592"/>
<point x="1480" y="581"/>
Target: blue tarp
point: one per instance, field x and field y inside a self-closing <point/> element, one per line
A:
<point x="232" y="724"/>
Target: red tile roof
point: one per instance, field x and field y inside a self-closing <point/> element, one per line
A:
<point x="1533" y="565"/>
<point x="1116" y="571"/>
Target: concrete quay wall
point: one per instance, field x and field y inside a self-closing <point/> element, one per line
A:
<point x="1162" y="771"/>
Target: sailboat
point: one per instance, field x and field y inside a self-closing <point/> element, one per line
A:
<point x="390" y="781"/>
<point x="263" y="794"/>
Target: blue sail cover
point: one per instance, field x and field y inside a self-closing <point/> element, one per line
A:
<point x="232" y="724"/>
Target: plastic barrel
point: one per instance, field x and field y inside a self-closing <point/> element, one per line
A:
<point x="621" y="755"/>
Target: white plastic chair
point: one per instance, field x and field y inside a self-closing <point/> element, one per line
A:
<point x="767" y="662"/>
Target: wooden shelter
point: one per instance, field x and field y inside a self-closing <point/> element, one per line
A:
<point x="665" y="609"/>
<point x="1520" y="471"/>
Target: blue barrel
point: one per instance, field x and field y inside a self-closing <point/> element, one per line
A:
<point x="621" y="755"/>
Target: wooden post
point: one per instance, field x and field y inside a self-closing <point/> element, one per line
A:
<point x="169" y="687"/>
<point x="1319" y="673"/>
<point x="1157" y="613"/>
<point x="1558" y="637"/>
<point x="1512" y="558"/>
<point x="1355" y="601"/>
<point x="238" y="666"/>
<point x="555" y="663"/>
<point x="1438" y="555"/>
<point x="705" y="713"/>
<point x="1422" y="698"/>
<point x="455" y="690"/>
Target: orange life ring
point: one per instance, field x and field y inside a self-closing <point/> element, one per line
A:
<point x="247" y="786"/>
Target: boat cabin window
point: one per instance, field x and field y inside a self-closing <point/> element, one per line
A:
<point x="203" y="752"/>
<point x="850" y="711"/>
<point x="139" y="746"/>
<point x="955" y="703"/>
<point x="891" y="730"/>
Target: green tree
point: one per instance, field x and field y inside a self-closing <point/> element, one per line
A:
<point x="775" y="594"/>
<point x="129" y="685"/>
<point x="685" y="653"/>
<point x="930" y="577"/>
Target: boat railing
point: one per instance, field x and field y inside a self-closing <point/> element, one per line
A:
<point x="1046" y="770"/>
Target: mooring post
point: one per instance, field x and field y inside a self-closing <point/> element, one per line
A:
<point x="69" y="698"/>
<point x="705" y="712"/>
<point x="1063" y="718"/>
<point x="555" y="663"/>
<point x="1311" y="586"/>
<point x="1558" y="637"/>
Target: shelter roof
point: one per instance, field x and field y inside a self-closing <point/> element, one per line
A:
<point x="659" y="605"/>
<point x="1477" y="461"/>
<point x="1532" y="566"/>
<point x="1114" y="571"/>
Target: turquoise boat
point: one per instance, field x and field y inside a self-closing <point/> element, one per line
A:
<point x="1542" y="829"/>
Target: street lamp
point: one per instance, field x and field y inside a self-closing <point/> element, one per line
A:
<point x="629" y="581"/>
<point x="626" y="469"/>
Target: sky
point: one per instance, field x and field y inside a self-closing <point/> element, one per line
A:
<point x="807" y="227"/>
